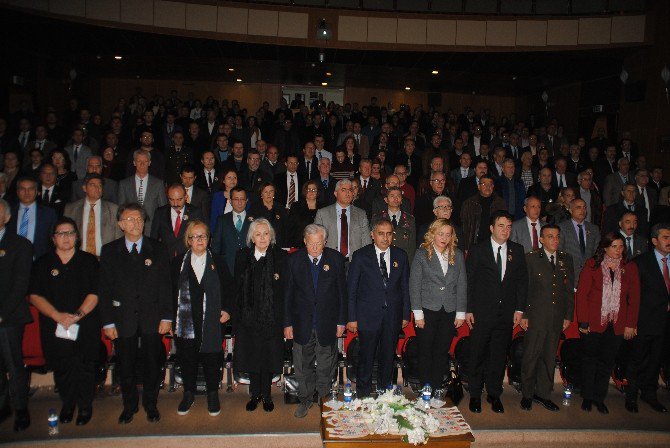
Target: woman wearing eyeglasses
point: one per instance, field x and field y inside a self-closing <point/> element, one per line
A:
<point x="64" y="288"/>
<point x="200" y="281"/>
<point x="304" y="211"/>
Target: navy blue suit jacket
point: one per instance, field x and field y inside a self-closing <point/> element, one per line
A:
<point x="46" y="218"/>
<point x="226" y="240"/>
<point x="301" y="301"/>
<point x="502" y="187"/>
<point x="367" y="294"/>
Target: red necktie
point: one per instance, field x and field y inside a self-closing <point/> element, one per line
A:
<point x="536" y="245"/>
<point x="177" y="224"/>
<point x="344" y="234"/>
<point x="666" y="275"/>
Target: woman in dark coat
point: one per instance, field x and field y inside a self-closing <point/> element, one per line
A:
<point x="259" y="312"/>
<point x="64" y="288"/>
<point x="303" y="213"/>
<point x="271" y="210"/>
<point x="200" y="281"/>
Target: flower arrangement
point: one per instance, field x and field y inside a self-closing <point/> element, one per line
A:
<point x="394" y="414"/>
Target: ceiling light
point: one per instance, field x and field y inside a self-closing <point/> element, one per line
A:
<point x="329" y="74"/>
<point x="434" y="72"/>
<point x="324" y="84"/>
<point x="239" y="80"/>
<point x="231" y="69"/>
<point x="408" y="88"/>
<point x="118" y="58"/>
<point x="323" y="31"/>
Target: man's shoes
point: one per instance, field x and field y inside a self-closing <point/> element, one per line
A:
<point x="655" y="404"/>
<point x="213" y="404"/>
<point x="301" y="411"/>
<point x="84" y="416"/>
<point x="66" y="415"/>
<point x="601" y="407"/>
<point x="127" y="416"/>
<point x="496" y="404"/>
<point x="268" y="404"/>
<point x="587" y="405"/>
<point x="475" y="405"/>
<point x="631" y="406"/>
<point x="153" y="416"/>
<point x="548" y="404"/>
<point x="21" y="420"/>
<point x="186" y="403"/>
<point x="253" y="403"/>
<point x="526" y="404"/>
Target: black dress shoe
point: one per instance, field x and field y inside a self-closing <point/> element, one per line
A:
<point x="548" y="404"/>
<point x="526" y="404"/>
<point x="66" y="415"/>
<point x="587" y="405"/>
<point x="153" y="415"/>
<point x="127" y="416"/>
<point x="253" y="403"/>
<point x="655" y="404"/>
<point x="475" y="405"/>
<point x="631" y="406"/>
<point x="186" y="403"/>
<point x="268" y="404"/>
<point x="84" y="416"/>
<point x="21" y="420"/>
<point x="602" y="408"/>
<point x="496" y="404"/>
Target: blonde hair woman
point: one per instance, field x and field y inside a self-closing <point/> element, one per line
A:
<point x="438" y="295"/>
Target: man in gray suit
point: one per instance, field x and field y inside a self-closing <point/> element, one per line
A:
<point x="579" y="238"/>
<point x="95" y="217"/>
<point x="79" y="153"/>
<point x="614" y="182"/>
<point x="635" y="244"/>
<point x="110" y="186"/>
<point x="463" y="171"/>
<point x="146" y="190"/>
<point x="347" y="225"/>
<point x="526" y="231"/>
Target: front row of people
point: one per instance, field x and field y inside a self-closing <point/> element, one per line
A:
<point x="313" y="295"/>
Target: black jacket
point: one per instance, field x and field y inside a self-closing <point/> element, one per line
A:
<point x="16" y="259"/>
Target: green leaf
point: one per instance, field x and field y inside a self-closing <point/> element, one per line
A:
<point x="403" y="422"/>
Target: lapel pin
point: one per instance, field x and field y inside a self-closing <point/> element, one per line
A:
<point x="395" y="264"/>
<point x="148" y="262"/>
<point x="54" y="272"/>
<point x="185" y="217"/>
<point x="276" y="276"/>
<point x="326" y="267"/>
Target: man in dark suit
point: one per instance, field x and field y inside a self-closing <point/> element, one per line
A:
<point x="236" y="161"/>
<point x="287" y="183"/>
<point x="326" y="183"/>
<point x="379" y="305"/>
<point x="135" y="302"/>
<point x="463" y="170"/>
<point x="550" y="276"/>
<point x="168" y="130"/>
<point x="646" y="355"/>
<point x="588" y="192"/>
<point x="575" y="163"/>
<point x="16" y="259"/>
<point x="308" y="163"/>
<point x="635" y="244"/>
<point x="511" y="189"/>
<point x="606" y="166"/>
<point x="194" y="195"/>
<point x="544" y="190"/>
<point x="562" y="177"/>
<point x="176" y="156"/>
<point x="271" y="163"/>
<point x="208" y="177"/>
<point x="497" y="290"/>
<point x="614" y="212"/>
<point x="252" y="178"/>
<point x="170" y="221"/>
<point x="645" y="195"/>
<point x="657" y="182"/>
<point x="469" y="187"/>
<point x="370" y="187"/>
<point x="31" y="220"/>
<point x="230" y="231"/>
<point x="315" y="314"/>
<point x="49" y="193"/>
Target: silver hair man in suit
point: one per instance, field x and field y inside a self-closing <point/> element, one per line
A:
<point x="143" y="188"/>
<point x="579" y="238"/>
<point x="526" y="231"/>
<point x="95" y="217"/>
<point x="346" y="224"/>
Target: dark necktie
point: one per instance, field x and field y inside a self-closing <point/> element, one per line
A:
<point x="134" y="251"/>
<point x="344" y="234"/>
<point x="45" y="196"/>
<point x="582" y="241"/>
<point x="209" y="180"/>
<point x="499" y="263"/>
<point x="325" y="184"/>
<point x="666" y="275"/>
<point x="315" y="273"/>
<point x="630" y="207"/>
<point x="553" y="263"/>
<point x="394" y="221"/>
<point x="536" y="244"/>
<point x="382" y="265"/>
<point x="629" y="248"/>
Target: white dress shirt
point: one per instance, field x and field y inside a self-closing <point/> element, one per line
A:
<point x="645" y="196"/>
<point x="258" y="254"/>
<point x="288" y="187"/>
<point x="145" y="181"/>
<point x="503" y="255"/>
<point x="538" y="226"/>
<point x="98" y="225"/>
<point x="198" y="264"/>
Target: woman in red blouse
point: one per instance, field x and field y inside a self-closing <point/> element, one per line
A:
<point x="608" y="300"/>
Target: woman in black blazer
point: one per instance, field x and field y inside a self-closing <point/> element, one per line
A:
<point x="200" y="281"/>
<point x="303" y="213"/>
<point x="271" y="210"/>
<point x="259" y="312"/>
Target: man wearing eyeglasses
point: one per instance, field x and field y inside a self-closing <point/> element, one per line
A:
<point x="424" y="204"/>
<point x="31" y="220"/>
<point x="136" y="308"/>
<point x="477" y="211"/>
<point x="170" y="221"/>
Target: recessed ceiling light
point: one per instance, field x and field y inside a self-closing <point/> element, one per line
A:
<point x="118" y="58"/>
<point x="408" y="88"/>
<point x="324" y="84"/>
<point x="231" y="69"/>
<point x="329" y="74"/>
<point x="435" y="72"/>
<point x="239" y="80"/>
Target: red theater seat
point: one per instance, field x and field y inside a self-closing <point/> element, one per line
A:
<point x="33" y="356"/>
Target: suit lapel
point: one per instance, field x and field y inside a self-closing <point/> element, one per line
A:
<point x="511" y="255"/>
<point x="492" y="259"/>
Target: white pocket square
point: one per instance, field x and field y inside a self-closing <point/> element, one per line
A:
<point x="116" y="303"/>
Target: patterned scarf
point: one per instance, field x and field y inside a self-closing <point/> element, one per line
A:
<point x="185" y="328"/>
<point x="609" y="309"/>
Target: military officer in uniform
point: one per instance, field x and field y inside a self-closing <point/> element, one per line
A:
<point x="548" y="312"/>
<point x="404" y="227"/>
